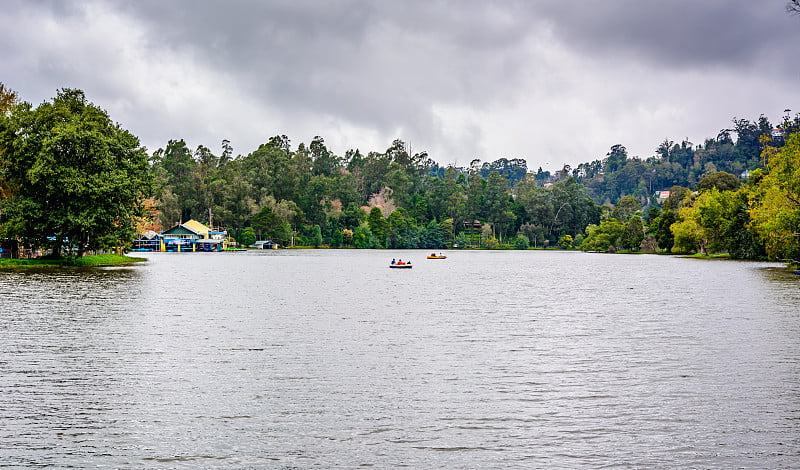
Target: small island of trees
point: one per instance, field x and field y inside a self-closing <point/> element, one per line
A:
<point x="71" y="179"/>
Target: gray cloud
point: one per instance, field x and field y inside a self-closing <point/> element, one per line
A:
<point x="550" y="81"/>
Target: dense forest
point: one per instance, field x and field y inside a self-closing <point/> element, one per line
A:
<point x="307" y="195"/>
<point x="735" y="193"/>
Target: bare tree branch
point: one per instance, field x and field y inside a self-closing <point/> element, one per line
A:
<point x="793" y="7"/>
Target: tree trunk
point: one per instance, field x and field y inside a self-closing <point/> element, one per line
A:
<point x="57" y="247"/>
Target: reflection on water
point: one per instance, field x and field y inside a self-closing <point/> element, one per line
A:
<point x="297" y="359"/>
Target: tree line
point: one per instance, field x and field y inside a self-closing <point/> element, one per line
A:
<point x="68" y="173"/>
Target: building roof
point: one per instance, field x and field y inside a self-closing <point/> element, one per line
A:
<point x="197" y="227"/>
<point x="191" y="227"/>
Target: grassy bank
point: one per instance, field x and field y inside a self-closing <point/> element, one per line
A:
<point x="84" y="261"/>
<point x="709" y="256"/>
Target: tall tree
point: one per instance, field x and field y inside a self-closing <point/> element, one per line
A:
<point x="8" y="98"/>
<point x="776" y="211"/>
<point x="79" y="179"/>
<point x="175" y="170"/>
<point x="496" y="202"/>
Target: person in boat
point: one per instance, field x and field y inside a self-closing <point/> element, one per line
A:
<point x="394" y="261"/>
<point x="408" y="262"/>
<point x="433" y="254"/>
<point x="400" y="261"/>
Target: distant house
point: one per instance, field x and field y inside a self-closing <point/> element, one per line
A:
<point x="662" y="196"/>
<point x="265" y="245"/>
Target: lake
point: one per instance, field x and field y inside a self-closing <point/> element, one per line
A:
<point x="328" y="359"/>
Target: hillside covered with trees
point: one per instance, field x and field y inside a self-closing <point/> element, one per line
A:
<point x="306" y="195"/>
<point x="736" y="192"/>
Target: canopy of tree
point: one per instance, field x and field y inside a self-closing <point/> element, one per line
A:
<point x="71" y="176"/>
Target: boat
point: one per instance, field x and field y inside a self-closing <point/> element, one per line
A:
<point x="435" y="256"/>
<point x="401" y="266"/>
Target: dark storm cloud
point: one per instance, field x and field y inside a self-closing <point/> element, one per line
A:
<point x="466" y="78"/>
<point x="680" y="33"/>
<point x="374" y="63"/>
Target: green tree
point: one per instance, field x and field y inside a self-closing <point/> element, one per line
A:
<point x="521" y="242"/>
<point x="324" y="161"/>
<point x="316" y="235"/>
<point x="247" y="236"/>
<point x="603" y="237"/>
<point x="625" y="208"/>
<point x="78" y="179"/>
<point x="8" y="99"/>
<point x="378" y="226"/>
<point x="432" y="236"/>
<point x="175" y="185"/>
<point x="269" y="225"/>
<point x="633" y="234"/>
<point x="688" y="234"/>
<point x="776" y="209"/>
<point x="496" y="203"/>
<point x="661" y="225"/>
<point x="721" y="180"/>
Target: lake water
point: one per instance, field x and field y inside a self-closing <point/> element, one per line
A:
<point x="328" y="359"/>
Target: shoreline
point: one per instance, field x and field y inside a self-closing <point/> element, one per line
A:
<point x="88" y="261"/>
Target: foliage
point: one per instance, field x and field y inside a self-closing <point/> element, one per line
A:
<point x="247" y="237"/>
<point x="715" y="221"/>
<point x="625" y="208"/>
<point x="566" y="242"/>
<point x="603" y="237"/>
<point x="633" y="234"/>
<point x="688" y="234"/>
<point x="776" y="208"/>
<point x="8" y="99"/>
<point x="78" y="181"/>
<point x="720" y="180"/>
<point x="94" y="176"/>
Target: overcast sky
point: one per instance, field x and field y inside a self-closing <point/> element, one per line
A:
<point x="554" y="82"/>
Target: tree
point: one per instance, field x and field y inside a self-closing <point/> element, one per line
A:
<point x="324" y="161"/>
<point x="247" y="237"/>
<point x="721" y="180"/>
<point x="496" y="202"/>
<point x="633" y="234"/>
<point x="8" y="99"/>
<point x="175" y="186"/>
<point x="603" y="237"/>
<point x="776" y="209"/>
<point x="566" y="242"/>
<point x="79" y="180"/>
<point x="378" y="225"/>
<point x="625" y="208"/>
<point x="661" y="225"/>
<point x="615" y="158"/>
<point x="521" y="242"/>
<point x="702" y="221"/>
<point x="269" y="225"/>
<point x="688" y="233"/>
